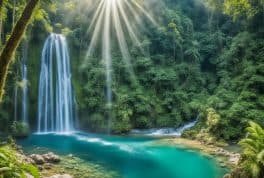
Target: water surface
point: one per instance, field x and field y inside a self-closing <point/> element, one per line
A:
<point x="131" y="157"/>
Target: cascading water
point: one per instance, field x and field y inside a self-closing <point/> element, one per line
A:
<point x="56" y="110"/>
<point x="165" y="131"/>
<point x="24" y="111"/>
<point x="23" y="87"/>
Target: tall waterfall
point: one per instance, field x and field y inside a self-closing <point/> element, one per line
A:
<point x="21" y="89"/>
<point x="24" y="111"/>
<point x="56" y="106"/>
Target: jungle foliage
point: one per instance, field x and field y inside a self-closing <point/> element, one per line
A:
<point x="11" y="165"/>
<point x="252" y="162"/>
<point x="204" y="60"/>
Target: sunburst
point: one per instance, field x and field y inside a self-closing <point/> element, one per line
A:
<point x="121" y="18"/>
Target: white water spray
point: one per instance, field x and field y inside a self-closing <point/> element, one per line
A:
<point x="56" y="110"/>
<point x="23" y="87"/>
<point x="165" y="131"/>
<point x="108" y="60"/>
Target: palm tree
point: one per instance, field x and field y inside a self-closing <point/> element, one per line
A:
<point x="253" y="151"/>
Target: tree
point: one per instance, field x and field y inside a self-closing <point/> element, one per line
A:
<point x="238" y="8"/>
<point x="13" y="42"/>
<point x="253" y="151"/>
<point x="177" y="40"/>
<point x="1" y="20"/>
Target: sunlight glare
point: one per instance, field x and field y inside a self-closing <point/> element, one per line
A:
<point x="122" y="18"/>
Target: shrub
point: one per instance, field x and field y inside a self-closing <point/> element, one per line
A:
<point x="12" y="166"/>
<point x="20" y="129"/>
<point x="253" y="151"/>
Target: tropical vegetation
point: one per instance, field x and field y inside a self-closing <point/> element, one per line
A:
<point x="11" y="165"/>
<point x="204" y="60"/>
<point x="252" y="162"/>
<point x="203" y="54"/>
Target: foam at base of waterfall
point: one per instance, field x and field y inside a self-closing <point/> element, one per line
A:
<point x="123" y="147"/>
<point x="56" y="133"/>
<point x="94" y="140"/>
<point x="164" y="131"/>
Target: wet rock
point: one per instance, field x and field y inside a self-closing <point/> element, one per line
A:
<point x="51" y="158"/>
<point x="234" y="158"/>
<point x="24" y="158"/>
<point x="29" y="160"/>
<point x="38" y="159"/>
<point x="45" y="158"/>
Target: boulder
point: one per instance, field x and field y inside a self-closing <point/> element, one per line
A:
<point x="234" y="158"/>
<point x="51" y="158"/>
<point x="38" y="159"/>
<point x="45" y="158"/>
<point x="29" y="160"/>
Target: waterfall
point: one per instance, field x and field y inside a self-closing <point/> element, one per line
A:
<point x="165" y="131"/>
<point x="56" y="101"/>
<point x="21" y="89"/>
<point x="24" y="111"/>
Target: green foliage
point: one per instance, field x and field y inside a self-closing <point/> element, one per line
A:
<point x="4" y="120"/>
<point x="212" y="119"/>
<point x="237" y="99"/>
<point x="33" y="170"/>
<point x="253" y="151"/>
<point x="19" y="129"/>
<point x="11" y="165"/>
<point x="207" y="128"/>
<point x="237" y="9"/>
<point x="243" y="8"/>
<point x="197" y="62"/>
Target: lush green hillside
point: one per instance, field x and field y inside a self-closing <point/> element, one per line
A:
<point x="197" y="63"/>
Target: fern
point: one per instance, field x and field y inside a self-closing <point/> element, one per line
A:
<point x="253" y="150"/>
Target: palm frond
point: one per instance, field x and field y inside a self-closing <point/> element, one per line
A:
<point x="260" y="157"/>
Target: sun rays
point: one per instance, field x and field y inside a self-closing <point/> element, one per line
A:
<point x="119" y="21"/>
<point x="119" y="17"/>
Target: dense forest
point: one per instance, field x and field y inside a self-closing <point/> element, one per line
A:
<point x="204" y="60"/>
<point x="201" y="60"/>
